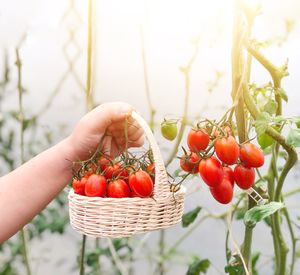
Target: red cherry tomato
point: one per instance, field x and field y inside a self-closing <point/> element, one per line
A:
<point x="251" y="155"/>
<point x="223" y="193"/>
<point x="95" y="186"/>
<point x="141" y="184"/>
<point x="197" y="140"/>
<point x="79" y="185"/>
<point x="211" y="171"/>
<point x="190" y="162"/>
<point x="228" y="174"/>
<point x="151" y="170"/>
<point x="114" y="171"/>
<point x="104" y="162"/>
<point x="244" y="176"/>
<point x="91" y="169"/>
<point x="118" y="189"/>
<point x="227" y="150"/>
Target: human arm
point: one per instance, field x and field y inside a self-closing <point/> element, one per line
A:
<point x="27" y="190"/>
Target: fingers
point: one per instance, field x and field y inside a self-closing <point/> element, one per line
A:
<point x="133" y="141"/>
<point x="103" y="116"/>
<point x="118" y="146"/>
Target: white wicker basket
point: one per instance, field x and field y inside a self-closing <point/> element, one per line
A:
<point x="123" y="217"/>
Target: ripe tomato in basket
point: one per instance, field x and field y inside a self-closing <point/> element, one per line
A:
<point x="141" y="184"/>
<point x="197" y="140"/>
<point x="114" y="171"/>
<point x="79" y="185"/>
<point x="118" y="189"/>
<point x="104" y="162"/>
<point x="151" y="170"/>
<point x="95" y="186"/>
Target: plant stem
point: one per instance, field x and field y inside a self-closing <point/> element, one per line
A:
<point x="89" y="101"/>
<point x="81" y="269"/>
<point x="97" y="244"/>
<point x="116" y="258"/>
<point x="147" y="89"/>
<point x="293" y="239"/>
<point x="186" y="71"/>
<point x="23" y="231"/>
<point x="89" y="78"/>
<point x="282" y="248"/>
<point x="240" y="75"/>
<point x="291" y="192"/>
<point x="161" y="244"/>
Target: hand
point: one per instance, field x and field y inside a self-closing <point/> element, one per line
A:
<point x="107" y="119"/>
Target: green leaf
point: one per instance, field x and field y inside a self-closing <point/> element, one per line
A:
<point x="260" y="212"/>
<point x="262" y="123"/>
<point x="293" y="137"/>
<point x="198" y="266"/>
<point x="264" y="140"/>
<point x="190" y="216"/>
<point x="278" y="119"/>
<point x="7" y="269"/>
<point x="254" y="260"/>
<point x="282" y="94"/>
<point x="296" y="120"/>
<point x="271" y="107"/>
<point x="234" y="270"/>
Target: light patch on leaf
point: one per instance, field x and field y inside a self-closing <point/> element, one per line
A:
<point x="258" y="213"/>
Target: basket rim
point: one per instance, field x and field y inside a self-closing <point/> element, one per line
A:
<point x="71" y="193"/>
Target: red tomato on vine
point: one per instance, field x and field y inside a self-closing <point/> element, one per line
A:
<point x="211" y="171"/>
<point x="227" y="150"/>
<point x="198" y="140"/>
<point x="190" y="162"/>
<point x="244" y="176"/>
<point x="223" y="193"/>
<point x="228" y="174"/>
<point x="251" y="155"/>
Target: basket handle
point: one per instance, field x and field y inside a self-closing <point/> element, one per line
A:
<point x="161" y="176"/>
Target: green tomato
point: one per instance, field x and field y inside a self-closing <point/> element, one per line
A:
<point x="169" y="129"/>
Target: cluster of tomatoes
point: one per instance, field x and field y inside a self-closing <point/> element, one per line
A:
<point x="214" y="167"/>
<point x="120" y="177"/>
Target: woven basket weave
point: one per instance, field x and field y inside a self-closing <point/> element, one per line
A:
<point x="123" y="217"/>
